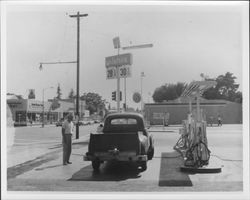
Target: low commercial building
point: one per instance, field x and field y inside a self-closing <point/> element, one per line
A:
<point x="176" y="111"/>
<point x="30" y="111"/>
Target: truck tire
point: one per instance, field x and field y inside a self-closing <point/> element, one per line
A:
<point x="150" y="153"/>
<point x="143" y="165"/>
<point x="96" y="165"/>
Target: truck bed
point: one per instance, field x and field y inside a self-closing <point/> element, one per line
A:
<point x="124" y="142"/>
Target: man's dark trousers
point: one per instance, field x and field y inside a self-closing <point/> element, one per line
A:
<point x="67" y="146"/>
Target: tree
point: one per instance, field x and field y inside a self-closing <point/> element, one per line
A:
<point x="93" y="101"/>
<point x="59" y="93"/>
<point x="168" y="92"/>
<point x="71" y="94"/>
<point x="238" y="97"/>
<point x="226" y="88"/>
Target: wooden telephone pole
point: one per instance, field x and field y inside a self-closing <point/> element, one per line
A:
<point x="77" y="16"/>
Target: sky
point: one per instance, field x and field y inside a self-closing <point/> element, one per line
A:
<point x="188" y="39"/>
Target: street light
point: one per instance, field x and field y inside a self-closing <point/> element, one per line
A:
<point x="43" y="103"/>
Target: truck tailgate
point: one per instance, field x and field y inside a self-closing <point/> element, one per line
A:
<point x="121" y="141"/>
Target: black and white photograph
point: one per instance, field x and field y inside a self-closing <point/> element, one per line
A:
<point x="124" y="100"/>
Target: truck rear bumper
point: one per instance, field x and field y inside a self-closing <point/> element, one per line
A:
<point x="119" y="157"/>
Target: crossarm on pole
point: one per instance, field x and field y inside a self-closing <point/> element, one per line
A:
<point x="52" y="63"/>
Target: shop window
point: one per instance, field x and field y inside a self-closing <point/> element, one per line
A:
<point x="21" y="116"/>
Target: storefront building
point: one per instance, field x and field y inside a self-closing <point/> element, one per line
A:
<point x="30" y="111"/>
<point x="176" y="111"/>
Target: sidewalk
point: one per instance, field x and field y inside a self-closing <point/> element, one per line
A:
<point x="16" y="157"/>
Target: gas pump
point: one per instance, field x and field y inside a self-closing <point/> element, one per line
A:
<point x="193" y="142"/>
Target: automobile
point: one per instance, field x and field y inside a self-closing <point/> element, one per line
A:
<point x="84" y="122"/>
<point x="96" y="121"/>
<point x="80" y="123"/>
<point x="87" y="122"/>
<point x="124" y="137"/>
<point x="60" y="122"/>
<point x="91" y="121"/>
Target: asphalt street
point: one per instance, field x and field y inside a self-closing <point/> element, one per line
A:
<point x="35" y="164"/>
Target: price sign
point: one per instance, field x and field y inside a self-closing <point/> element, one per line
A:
<point x="124" y="72"/>
<point x="111" y="72"/>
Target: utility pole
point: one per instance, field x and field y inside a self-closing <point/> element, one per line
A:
<point x="77" y="16"/>
<point x="118" y="85"/>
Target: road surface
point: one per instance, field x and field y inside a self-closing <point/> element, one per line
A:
<point x="41" y="168"/>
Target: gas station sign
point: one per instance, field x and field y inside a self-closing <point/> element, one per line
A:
<point x="116" y="42"/>
<point x="119" y="60"/>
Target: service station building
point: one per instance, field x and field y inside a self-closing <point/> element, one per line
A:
<point x="177" y="110"/>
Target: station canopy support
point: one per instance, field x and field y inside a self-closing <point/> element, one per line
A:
<point x="193" y="140"/>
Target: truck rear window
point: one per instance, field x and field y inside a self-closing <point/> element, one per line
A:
<point x="123" y="121"/>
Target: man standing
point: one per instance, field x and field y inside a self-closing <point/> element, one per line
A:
<point x="219" y="120"/>
<point x="67" y="131"/>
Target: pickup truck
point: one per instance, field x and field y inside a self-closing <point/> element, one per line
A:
<point x="124" y="137"/>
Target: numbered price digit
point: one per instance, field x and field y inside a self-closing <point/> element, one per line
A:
<point x="110" y="73"/>
<point x="123" y="72"/>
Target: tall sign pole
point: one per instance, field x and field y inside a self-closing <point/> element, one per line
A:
<point x="129" y="48"/>
<point x="142" y="75"/>
<point x="116" y="42"/>
<point x="77" y="16"/>
<point x="117" y="68"/>
<point x="125" y="95"/>
<point x="118" y="85"/>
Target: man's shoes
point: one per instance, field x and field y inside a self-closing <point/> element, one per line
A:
<point x="69" y="162"/>
<point x="64" y="163"/>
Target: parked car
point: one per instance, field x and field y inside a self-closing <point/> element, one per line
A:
<point x="96" y="121"/>
<point x="123" y="138"/>
<point x="60" y="122"/>
<point x="80" y="123"/>
<point x="87" y="122"/>
<point x="91" y="121"/>
<point x="83" y="122"/>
